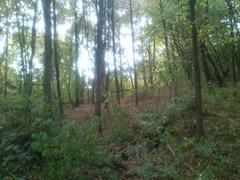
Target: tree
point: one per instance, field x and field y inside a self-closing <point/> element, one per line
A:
<point x="133" y="56"/>
<point x="99" y="57"/>
<point x="21" y="27"/>
<point x="6" y="62"/>
<point x="47" y="74"/>
<point x="232" y="36"/>
<point x="121" y="70"/>
<point x="76" y="56"/>
<point x="33" y="49"/>
<point x="143" y="61"/>
<point x="56" y="59"/>
<point x="114" y="52"/>
<point x="27" y="45"/>
<point x="197" y="75"/>
<point x="150" y="63"/>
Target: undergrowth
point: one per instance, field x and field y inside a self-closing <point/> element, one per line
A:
<point x="36" y="148"/>
<point x="145" y="147"/>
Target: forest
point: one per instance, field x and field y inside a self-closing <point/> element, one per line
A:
<point x="119" y="89"/>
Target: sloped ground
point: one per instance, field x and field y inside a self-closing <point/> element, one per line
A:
<point x="80" y="114"/>
<point x="144" y="149"/>
<point x="146" y="101"/>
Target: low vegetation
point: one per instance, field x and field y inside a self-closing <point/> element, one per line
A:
<point x="138" y="146"/>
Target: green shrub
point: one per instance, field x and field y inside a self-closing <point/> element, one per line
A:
<point x="152" y="171"/>
<point x="37" y="148"/>
<point x="120" y="115"/>
<point x="16" y="155"/>
<point x="152" y="123"/>
<point x="205" y="149"/>
<point x="68" y="153"/>
<point x="17" y="121"/>
<point x="119" y="136"/>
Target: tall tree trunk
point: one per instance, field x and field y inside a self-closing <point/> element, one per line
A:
<point x="130" y="74"/>
<point x="197" y="75"/>
<point x="1" y="75"/>
<point x="33" y="47"/>
<point x="150" y="65"/>
<point x="68" y="87"/>
<point x="205" y="64"/>
<point x="56" y="59"/>
<point x="6" y="64"/>
<point x="121" y="70"/>
<point x="22" y="44"/>
<point x="232" y="36"/>
<point x="133" y="56"/>
<point x="143" y="63"/>
<point x="106" y="102"/>
<point x="47" y="74"/>
<point x="215" y="67"/>
<point x="163" y="22"/>
<point x="154" y="57"/>
<point x="99" y="58"/>
<point x="93" y="91"/>
<point x="202" y="51"/>
<point x="171" y="68"/>
<point x="114" y="52"/>
<point x="76" y="56"/>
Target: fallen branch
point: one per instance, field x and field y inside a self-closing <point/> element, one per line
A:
<point x="171" y="150"/>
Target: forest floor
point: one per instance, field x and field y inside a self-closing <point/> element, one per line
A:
<point x="154" y="140"/>
<point x="148" y="101"/>
<point x="82" y="113"/>
<point x="147" y="149"/>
